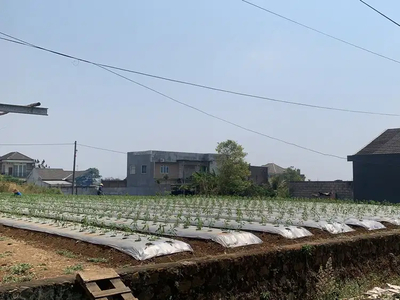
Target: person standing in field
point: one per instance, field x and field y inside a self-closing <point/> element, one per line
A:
<point x="100" y="190"/>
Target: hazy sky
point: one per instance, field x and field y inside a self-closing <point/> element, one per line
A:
<point x="223" y="43"/>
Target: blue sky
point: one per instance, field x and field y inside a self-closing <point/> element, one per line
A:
<point x="224" y="43"/>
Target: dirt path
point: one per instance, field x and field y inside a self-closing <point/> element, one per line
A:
<point x="20" y="261"/>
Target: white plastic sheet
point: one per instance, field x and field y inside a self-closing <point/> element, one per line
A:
<point x="228" y="239"/>
<point x="141" y="247"/>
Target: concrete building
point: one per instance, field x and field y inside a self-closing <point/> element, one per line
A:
<point x="150" y="172"/>
<point x="376" y="168"/>
<point x="259" y="174"/>
<point x="16" y="164"/>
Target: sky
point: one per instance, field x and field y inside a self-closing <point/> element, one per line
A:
<point x="221" y="43"/>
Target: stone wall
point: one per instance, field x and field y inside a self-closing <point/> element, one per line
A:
<point x="290" y="272"/>
<point x="311" y="189"/>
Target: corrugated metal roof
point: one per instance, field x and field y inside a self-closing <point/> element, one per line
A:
<point x="57" y="182"/>
<point x="57" y="174"/>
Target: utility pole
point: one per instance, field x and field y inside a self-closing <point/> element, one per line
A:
<point x="73" y="170"/>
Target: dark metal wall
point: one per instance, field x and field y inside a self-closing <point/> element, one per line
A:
<point x="377" y="177"/>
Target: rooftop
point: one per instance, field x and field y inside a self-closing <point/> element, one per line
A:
<point x="57" y="174"/>
<point x="274" y="169"/>
<point x="15" y="156"/>
<point x="387" y="143"/>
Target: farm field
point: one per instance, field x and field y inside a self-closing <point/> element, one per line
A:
<point x="126" y="231"/>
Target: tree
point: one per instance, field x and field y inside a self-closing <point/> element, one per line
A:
<point x="233" y="170"/>
<point x="205" y="183"/>
<point x="293" y="174"/>
<point x="90" y="177"/>
<point x="279" y="183"/>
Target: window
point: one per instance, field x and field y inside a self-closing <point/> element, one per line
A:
<point x="144" y="169"/>
<point x="203" y="169"/>
<point x="19" y="170"/>
<point x="132" y="170"/>
<point x="164" y="169"/>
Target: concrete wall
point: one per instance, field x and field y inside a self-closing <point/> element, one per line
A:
<point x="377" y="177"/>
<point x="79" y="190"/>
<point x="173" y="169"/>
<point x="306" y="189"/>
<point x="33" y="178"/>
<point x="143" y="183"/>
<point x="259" y="175"/>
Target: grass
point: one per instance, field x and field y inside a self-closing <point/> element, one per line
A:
<point x="19" y="273"/>
<point x="97" y="260"/>
<point x="66" y="253"/>
<point x="15" y="279"/>
<point x="5" y="254"/>
<point x="2" y="238"/>
<point x="20" y="269"/>
<point x="72" y="269"/>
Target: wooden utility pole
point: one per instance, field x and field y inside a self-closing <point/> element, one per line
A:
<point x="73" y="169"/>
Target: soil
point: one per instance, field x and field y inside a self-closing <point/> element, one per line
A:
<point x="42" y="250"/>
<point x="21" y="261"/>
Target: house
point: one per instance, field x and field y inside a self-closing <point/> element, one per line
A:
<point x="259" y="174"/>
<point x="152" y="171"/>
<point x="274" y="169"/>
<point x="52" y="177"/>
<point x="376" y="168"/>
<point x="16" y="164"/>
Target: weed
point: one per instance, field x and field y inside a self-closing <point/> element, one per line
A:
<point x="72" y="269"/>
<point x="307" y="249"/>
<point x="20" y="269"/>
<point x="66" y="253"/>
<point x="265" y="295"/>
<point x="14" y="279"/>
<point x="97" y="259"/>
<point x="7" y="253"/>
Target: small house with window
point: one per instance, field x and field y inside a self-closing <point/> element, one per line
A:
<point x="16" y="164"/>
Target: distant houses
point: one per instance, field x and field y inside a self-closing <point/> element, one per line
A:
<point x="153" y="171"/>
<point x="16" y="164"/>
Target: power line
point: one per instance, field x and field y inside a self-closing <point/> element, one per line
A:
<point x="102" y="149"/>
<point x="211" y="115"/>
<point x="21" y="42"/>
<point x="55" y="144"/>
<point x="221" y="119"/>
<point x="323" y="33"/>
<point x="382" y="14"/>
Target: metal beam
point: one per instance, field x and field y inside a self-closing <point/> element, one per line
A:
<point x="30" y="109"/>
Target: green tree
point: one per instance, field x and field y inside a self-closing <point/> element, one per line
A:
<point x="88" y="178"/>
<point x="293" y="174"/>
<point x="280" y="183"/>
<point x="205" y="183"/>
<point x="233" y="170"/>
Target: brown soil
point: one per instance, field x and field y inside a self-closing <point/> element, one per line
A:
<point x="15" y="253"/>
<point x="38" y="248"/>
